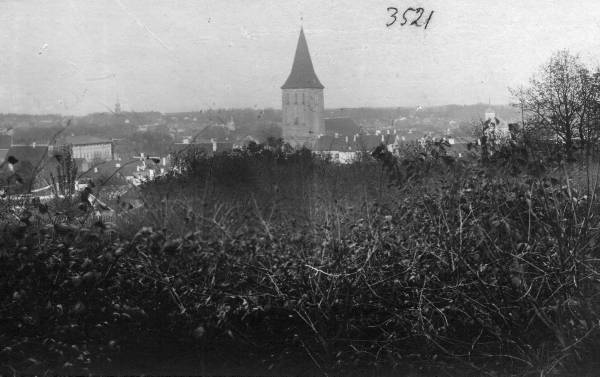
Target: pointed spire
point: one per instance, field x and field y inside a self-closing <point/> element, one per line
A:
<point x="303" y="74"/>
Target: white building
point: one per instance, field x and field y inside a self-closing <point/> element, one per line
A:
<point x="89" y="148"/>
<point x="496" y="129"/>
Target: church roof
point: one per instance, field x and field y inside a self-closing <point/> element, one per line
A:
<point x="341" y="126"/>
<point x="303" y="74"/>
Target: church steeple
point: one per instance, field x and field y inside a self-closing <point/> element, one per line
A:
<point x="303" y="74"/>
<point x="302" y="100"/>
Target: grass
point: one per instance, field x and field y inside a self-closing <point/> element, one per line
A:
<point x="422" y="263"/>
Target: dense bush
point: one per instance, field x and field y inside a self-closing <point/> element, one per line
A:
<point x="290" y="260"/>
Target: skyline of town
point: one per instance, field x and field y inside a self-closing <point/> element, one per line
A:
<point x="77" y="58"/>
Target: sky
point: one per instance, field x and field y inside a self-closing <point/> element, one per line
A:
<point x="80" y="56"/>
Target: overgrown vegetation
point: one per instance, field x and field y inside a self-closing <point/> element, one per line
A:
<point x="415" y="262"/>
<point x="275" y="261"/>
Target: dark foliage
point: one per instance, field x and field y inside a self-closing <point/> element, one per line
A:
<point x="280" y="259"/>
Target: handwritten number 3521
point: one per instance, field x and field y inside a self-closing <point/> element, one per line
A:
<point x="410" y="14"/>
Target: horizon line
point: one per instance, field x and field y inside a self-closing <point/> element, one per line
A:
<point x="342" y="108"/>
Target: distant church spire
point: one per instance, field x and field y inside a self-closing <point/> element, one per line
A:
<point x="303" y="74"/>
<point x="118" y="106"/>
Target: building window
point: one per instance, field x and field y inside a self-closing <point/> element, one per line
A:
<point x="295" y="98"/>
<point x="296" y="121"/>
<point x="303" y="98"/>
<point x="287" y="99"/>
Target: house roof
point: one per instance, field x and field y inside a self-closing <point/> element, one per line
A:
<point x="206" y="147"/>
<point x="223" y="146"/>
<point x="29" y="153"/>
<point x="303" y="74"/>
<point x="32" y="165"/>
<point x="361" y="143"/>
<point x="107" y="169"/>
<point x="330" y="143"/>
<point x="341" y="126"/>
<point x="84" y="140"/>
<point x="368" y="142"/>
<point x="131" y="194"/>
<point x="5" y="141"/>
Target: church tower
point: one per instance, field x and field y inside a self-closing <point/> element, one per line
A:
<point x="302" y="100"/>
<point x="118" y="106"/>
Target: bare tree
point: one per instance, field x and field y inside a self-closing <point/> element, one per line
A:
<point x="560" y="98"/>
<point x="591" y="118"/>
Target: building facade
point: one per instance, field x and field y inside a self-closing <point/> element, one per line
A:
<point x="496" y="129"/>
<point x="89" y="148"/>
<point x="302" y="100"/>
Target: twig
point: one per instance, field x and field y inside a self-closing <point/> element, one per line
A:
<point x="579" y="340"/>
<point x="313" y="359"/>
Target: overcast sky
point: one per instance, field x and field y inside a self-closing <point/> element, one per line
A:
<point x="78" y="56"/>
